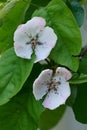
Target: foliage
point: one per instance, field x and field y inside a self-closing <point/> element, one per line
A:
<point x="53" y="117"/>
<point x="63" y="25"/>
<point x="14" y="71"/>
<point x="18" y="107"/>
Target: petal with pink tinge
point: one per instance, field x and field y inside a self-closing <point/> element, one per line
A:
<point x="41" y="84"/>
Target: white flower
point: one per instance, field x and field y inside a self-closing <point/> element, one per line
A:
<point x="33" y="36"/>
<point x="54" y="86"/>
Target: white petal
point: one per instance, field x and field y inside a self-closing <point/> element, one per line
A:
<point x="56" y="98"/>
<point x="35" y="25"/>
<point x="20" y="35"/>
<point x="64" y="90"/>
<point x="23" y="50"/>
<point x="53" y="100"/>
<point x="29" y="29"/>
<point x="48" y="37"/>
<point x="40" y="86"/>
<point x="63" y="72"/>
<point x="41" y="52"/>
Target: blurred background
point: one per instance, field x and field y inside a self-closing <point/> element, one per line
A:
<point x="68" y="122"/>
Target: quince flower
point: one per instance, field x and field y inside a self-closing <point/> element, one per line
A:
<point x="54" y="85"/>
<point x="33" y="36"/>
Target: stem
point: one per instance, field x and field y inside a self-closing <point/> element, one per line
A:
<point x="84" y="51"/>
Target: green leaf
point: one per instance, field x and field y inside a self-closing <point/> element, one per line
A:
<point x="50" y="118"/>
<point x="10" y="23"/>
<point x="82" y="78"/>
<point x="83" y="1"/>
<point x="35" y="4"/>
<point x="1" y="5"/>
<point x="78" y="12"/>
<point x="35" y="108"/>
<point x="3" y="0"/>
<point x="83" y="64"/>
<point x="13" y="73"/>
<point x="61" y="54"/>
<point x="65" y="26"/>
<point x="69" y="38"/>
<point x="16" y="115"/>
<point x="72" y="97"/>
<point x="80" y="105"/>
<point x="4" y="11"/>
<point x="35" y="111"/>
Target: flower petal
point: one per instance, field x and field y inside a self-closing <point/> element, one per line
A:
<point x="40" y="86"/>
<point x="48" y="39"/>
<point x="29" y="29"/>
<point x="53" y="100"/>
<point x="41" y="52"/>
<point x="23" y="50"/>
<point x="63" y="72"/>
<point x="64" y="90"/>
<point x="20" y="35"/>
<point x="35" y="25"/>
<point x="56" y="98"/>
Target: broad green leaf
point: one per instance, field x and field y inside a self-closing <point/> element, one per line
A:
<point x="13" y="73"/>
<point x="10" y="23"/>
<point x="69" y="38"/>
<point x="61" y="55"/>
<point x="15" y="115"/>
<point x="65" y="26"/>
<point x="50" y="118"/>
<point x="82" y="78"/>
<point x="35" y="108"/>
<point x="35" y="4"/>
<point x="80" y="105"/>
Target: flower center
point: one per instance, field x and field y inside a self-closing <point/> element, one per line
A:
<point x="34" y="42"/>
<point x="53" y="85"/>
